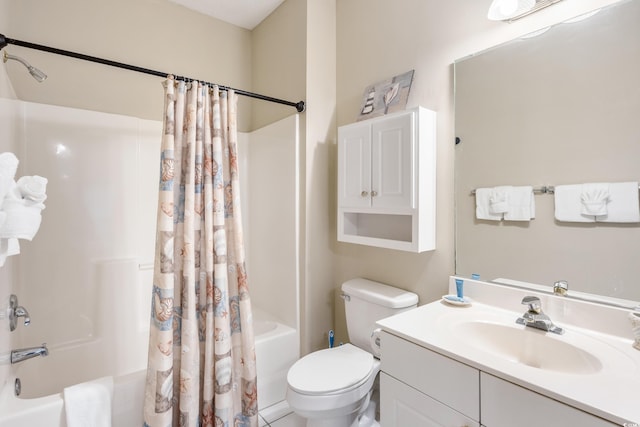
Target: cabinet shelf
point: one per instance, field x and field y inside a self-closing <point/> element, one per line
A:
<point x="386" y="181"/>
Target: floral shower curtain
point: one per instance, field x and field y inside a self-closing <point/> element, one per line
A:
<point x="201" y="369"/>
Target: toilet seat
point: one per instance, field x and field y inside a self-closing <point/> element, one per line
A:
<point x="333" y="370"/>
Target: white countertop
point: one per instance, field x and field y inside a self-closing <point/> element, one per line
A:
<point x="613" y="393"/>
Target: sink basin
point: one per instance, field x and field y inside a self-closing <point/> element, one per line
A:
<point x="528" y="346"/>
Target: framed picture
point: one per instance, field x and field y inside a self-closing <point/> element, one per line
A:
<point x="386" y="96"/>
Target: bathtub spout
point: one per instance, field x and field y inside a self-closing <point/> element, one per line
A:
<point x="28" y="353"/>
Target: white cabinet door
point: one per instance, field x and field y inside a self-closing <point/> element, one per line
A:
<point x="404" y="406"/>
<point x="354" y="166"/>
<point x="392" y="161"/>
<point x="504" y="404"/>
<point x="448" y="381"/>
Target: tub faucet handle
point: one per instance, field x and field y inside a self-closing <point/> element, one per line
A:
<point x="16" y="311"/>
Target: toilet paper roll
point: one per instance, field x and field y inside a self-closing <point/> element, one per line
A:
<point x="375" y="342"/>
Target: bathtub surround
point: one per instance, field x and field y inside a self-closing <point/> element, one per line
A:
<point x="202" y="365"/>
<point x="89" y="279"/>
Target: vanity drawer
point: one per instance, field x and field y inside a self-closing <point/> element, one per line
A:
<point x="445" y="380"/>
<point x="505" y="404"/>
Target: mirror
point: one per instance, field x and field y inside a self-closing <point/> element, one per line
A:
<point x="562" y="107"/>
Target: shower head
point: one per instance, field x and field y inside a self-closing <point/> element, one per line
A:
<point x="37" y="74"/>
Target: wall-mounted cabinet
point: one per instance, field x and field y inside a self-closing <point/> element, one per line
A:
<point x="386" y="181"/>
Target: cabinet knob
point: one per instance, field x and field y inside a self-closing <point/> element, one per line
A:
<point x="364" y="193"/>
<point x="374" y="193"/>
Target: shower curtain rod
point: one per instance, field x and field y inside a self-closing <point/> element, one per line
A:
<point x="4" y="41"/>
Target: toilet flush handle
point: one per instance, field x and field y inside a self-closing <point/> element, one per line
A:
<point x="345" y="297"/>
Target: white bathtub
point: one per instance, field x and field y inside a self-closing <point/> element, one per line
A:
<point x="48" y="411"/>
<point x="276" y="349"/>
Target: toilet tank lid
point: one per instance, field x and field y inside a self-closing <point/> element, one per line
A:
<point x="379" y="293"/>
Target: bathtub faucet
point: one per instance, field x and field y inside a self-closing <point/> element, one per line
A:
<point x="29" y="353"/>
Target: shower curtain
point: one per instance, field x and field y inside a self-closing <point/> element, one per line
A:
<point x="202" y="365"/>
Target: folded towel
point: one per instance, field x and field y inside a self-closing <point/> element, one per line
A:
<point x="568" y="204"/>
<point x="623" y="203"/>
<point x="483" y="205"/>
<point x="499" y="199"/>
<point x="89" y="404"/>
<point x="594" y="199"/>
<point x="8" y="168"/>
<point x="22" y="221"/>
<point x="32" y="188"/>
<point x="8" y="247"/>
<point x="522" y="205"/>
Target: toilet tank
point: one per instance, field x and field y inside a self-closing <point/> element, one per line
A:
<point x="366" y="302"/>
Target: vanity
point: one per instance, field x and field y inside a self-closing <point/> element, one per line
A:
<point x="473" y="365"/>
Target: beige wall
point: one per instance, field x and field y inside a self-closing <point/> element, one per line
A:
<point x="153" y="34"/>
<point x="379" y="39"/>
<point x="320" y="208"/>
<point x="279" y="61"/>
<point x="294" y="55"/>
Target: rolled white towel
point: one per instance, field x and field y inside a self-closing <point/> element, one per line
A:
<point x="499" y="199"/>
<point x="483" y="205"/>
<point x="22" y="221"/>
<point x="522" y="205"/>
<point x="568" y="206"/>
<point x="623" y="203"/>
<point x="594" y="197"/>
<point x="8" y="167"/>
<point x="8" y="247"/>
<point x="33" y="188"/>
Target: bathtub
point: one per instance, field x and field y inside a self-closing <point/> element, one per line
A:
<point x="41" y="403"/>
<point x="48" y="411"/>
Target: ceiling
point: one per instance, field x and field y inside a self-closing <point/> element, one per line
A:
<point x="243" y="13"/>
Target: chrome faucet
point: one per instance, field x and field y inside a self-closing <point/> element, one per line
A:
<point x="535" y="318"/>
<point x="561" y="287"/>
<point x="29" y="353"/>
<point x="16" y="311"/>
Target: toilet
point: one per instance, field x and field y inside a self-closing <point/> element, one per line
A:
<point x="333" y="387"/>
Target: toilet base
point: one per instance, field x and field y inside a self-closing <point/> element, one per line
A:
<point x="362" y="418"/>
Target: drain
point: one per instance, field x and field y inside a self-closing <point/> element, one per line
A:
<point x="17" y="387"/>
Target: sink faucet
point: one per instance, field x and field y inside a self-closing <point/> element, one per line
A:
<point x="535" y="318"/>
<point x="28" y="353"/>
<point x="561" y="287"/>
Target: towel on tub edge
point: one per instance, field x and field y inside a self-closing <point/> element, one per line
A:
<point x="89" y="404"/>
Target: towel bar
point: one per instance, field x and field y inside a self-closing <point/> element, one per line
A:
<point x="545" y="189"/>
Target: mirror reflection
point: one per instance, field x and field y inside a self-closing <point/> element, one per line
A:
<point x="559" y="108"/>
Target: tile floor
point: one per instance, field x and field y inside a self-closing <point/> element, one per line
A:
<point x="280" y="415"/>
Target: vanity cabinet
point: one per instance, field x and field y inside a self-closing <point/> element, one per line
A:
<point x="386" y="181"/>
<point x="420" y="387"/>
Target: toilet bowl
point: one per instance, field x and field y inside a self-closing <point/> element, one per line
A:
<point x="334" y="383"/>
<point x="333" y="387"/>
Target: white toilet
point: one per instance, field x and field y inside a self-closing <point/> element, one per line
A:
<point x="333" y="387"/>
